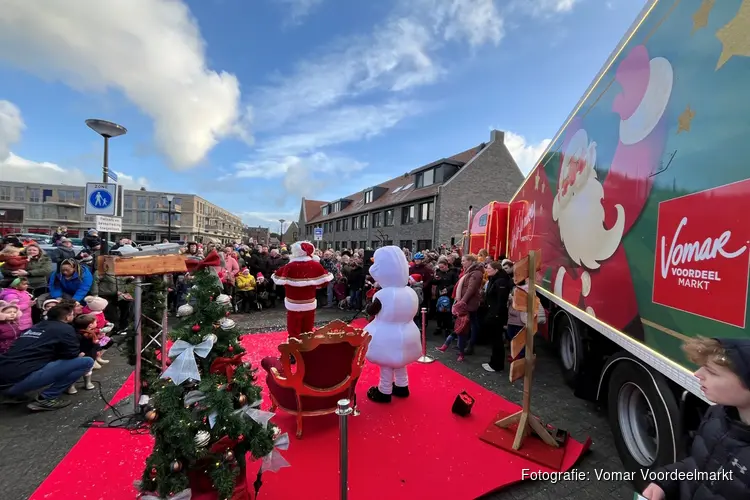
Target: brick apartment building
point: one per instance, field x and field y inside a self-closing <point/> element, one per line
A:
<point x="420" y="209"/>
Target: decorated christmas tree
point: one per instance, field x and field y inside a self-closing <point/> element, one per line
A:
<point x="205" y="409"/>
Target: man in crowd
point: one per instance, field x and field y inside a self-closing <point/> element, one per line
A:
<point x="46" y="355"/>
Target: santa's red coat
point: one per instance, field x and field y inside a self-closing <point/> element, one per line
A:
<point x="301" y="278"/>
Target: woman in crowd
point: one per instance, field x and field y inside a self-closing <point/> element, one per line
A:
<point x="70" y="281"/>
<point x="499" y="285"/>
<point x="38" y="268"/>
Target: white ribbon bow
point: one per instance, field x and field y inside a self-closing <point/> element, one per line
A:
<point x="184" y="366"/>
<point x="259" y="416"/>
<point x="274" y="461"/>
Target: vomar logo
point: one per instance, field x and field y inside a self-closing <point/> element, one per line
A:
<point x="703" y="254"/>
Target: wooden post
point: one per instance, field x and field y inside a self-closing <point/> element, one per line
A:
<point x="526" y="421"/>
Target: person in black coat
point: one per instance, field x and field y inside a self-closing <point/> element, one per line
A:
<point x="720" y="453"/>
<point x="499" y="286"/>
<point x="444" y="279"/>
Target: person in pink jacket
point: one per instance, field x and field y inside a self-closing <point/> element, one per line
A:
<point x="18" y="295"/>
<point x="231" y="269"/>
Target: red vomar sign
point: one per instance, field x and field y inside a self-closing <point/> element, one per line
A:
<point x="703" y="253"/>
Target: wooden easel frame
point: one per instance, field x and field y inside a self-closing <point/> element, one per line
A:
<point x="526" y="421"/>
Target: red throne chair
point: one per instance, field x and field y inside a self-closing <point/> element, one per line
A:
<point x="328" y="363"/>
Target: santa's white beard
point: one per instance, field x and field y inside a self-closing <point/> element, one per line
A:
<point x="582" y="230"/>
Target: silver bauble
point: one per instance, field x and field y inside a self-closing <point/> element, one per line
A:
<point x="185" y="310"/>
<point x="227" y="324"/>
<point x="211" y="336"/>
<point x="223" y="299"/>
<point x="202" y="439"/>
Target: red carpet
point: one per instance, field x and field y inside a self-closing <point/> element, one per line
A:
<point x="412" y="448"/>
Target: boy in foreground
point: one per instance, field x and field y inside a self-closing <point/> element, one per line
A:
<point x="723" y="439"/>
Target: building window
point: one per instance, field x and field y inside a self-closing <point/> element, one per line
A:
<point x="344" y="224"/>
<point x="375" y="244"/>
<point x="388" y="243"/>
<point x="426" y="178"/>
<point x="337" y="245"/>
<point x="19" y="194"/>
<point x="34" y="195"/>
<point x="405" y="244"/>
<point x="362" y="244"/>
<point x="423" y="245"/>
<point x="35" y="212"/>
<point x="4" y="193"/>
<point x="338" y="226"/>
<point x="368" y="196"/>
<point x="389" y="217"/>
<point x="354" y="245"/>
<point x="407" y="215"/>
<point x="324" y="210"/>
<point x="128" y="203"/>
<point x="336" y="208"/>
<point x="141" y="203"/>
<point x="355" y="223"/>
<point x="145" y="236"/>
<point x="141" y="218"/>
<point x="377" y="219"/>
<point x="363" y="222"/>
<point x="426" y="211"/>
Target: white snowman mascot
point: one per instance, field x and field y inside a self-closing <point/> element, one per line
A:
<point x="396" y="340"/>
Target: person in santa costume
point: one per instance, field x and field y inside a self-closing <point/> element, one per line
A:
<point x="396" y="340"/>
<point x="301" y="278"/>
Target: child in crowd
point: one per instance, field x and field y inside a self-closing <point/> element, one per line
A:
<point x="9" y="329"/>
<point x="261" y="290"/>
<point x="722" y="444"/>
<point x="85" y="326"/>
<point x="47" y="305"/>
<point x="415" y="282"/>
<point x="17" y="294"/>
<point x="95" y="306"/>
<point x="245" y="283"/>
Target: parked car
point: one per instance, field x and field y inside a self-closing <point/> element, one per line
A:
<point x="42" y="239"/>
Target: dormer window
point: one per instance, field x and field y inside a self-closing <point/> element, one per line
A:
<point x="426" y="178"/>
<point x="337" y="206"/>
<point x="324" y="210"/>
<point x="368" y="196"/>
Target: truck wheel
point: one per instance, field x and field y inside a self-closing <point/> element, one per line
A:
<point x="570" y="347"/>
<point x="641" y="411"/>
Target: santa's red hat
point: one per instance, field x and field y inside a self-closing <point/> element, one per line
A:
<point x="302" y="250"/>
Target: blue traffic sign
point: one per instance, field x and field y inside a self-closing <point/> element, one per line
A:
<point x="100" y="198"/>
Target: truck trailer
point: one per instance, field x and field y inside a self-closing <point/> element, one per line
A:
<point x="641" y="210"/>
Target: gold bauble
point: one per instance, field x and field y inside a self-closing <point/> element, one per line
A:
<point x="229" y="456"/>
<point x="242" y="399"/>
<point x="152" y="415"/>
<point x="176" y="466"/>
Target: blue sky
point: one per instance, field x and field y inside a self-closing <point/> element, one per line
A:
<point x="253" y="104"/>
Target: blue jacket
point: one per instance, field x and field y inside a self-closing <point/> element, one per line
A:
<point x="76" y="286"/>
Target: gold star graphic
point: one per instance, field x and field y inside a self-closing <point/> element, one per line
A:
<point x="683" y="121"/>
<point x="735" y="35"/>
<point x="536" y="181"/>
<point x="700" y="18"/>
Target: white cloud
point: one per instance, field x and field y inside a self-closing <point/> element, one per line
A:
<point x="545" y="8"/>
<point x="301" y="175"/>
<point x="18" y="169"/>
<point x="269" y="219"/>
<point x="476" y="21"/>
<point x="299" y="9"/>
<point x="525" y="154"/>
<point x="150" y="50"/>
<point x="337" y="126"/>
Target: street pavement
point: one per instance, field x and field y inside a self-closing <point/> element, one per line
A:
<point x="31" y="445"/>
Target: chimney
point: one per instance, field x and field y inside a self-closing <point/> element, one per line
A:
<point x="497" y="136"/>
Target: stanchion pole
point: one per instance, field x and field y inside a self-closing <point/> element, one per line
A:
<point x="424" y="358"/>
<point x="137" y="312"/>
<point x="343" y="410"/>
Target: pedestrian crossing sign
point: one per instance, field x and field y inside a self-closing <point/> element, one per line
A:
<point x="101" y="198"/>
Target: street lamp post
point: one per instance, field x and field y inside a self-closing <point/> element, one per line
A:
<point x="170" y="197"/>
<point x="281" y="231"/>
<point x="107" y="130"/>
